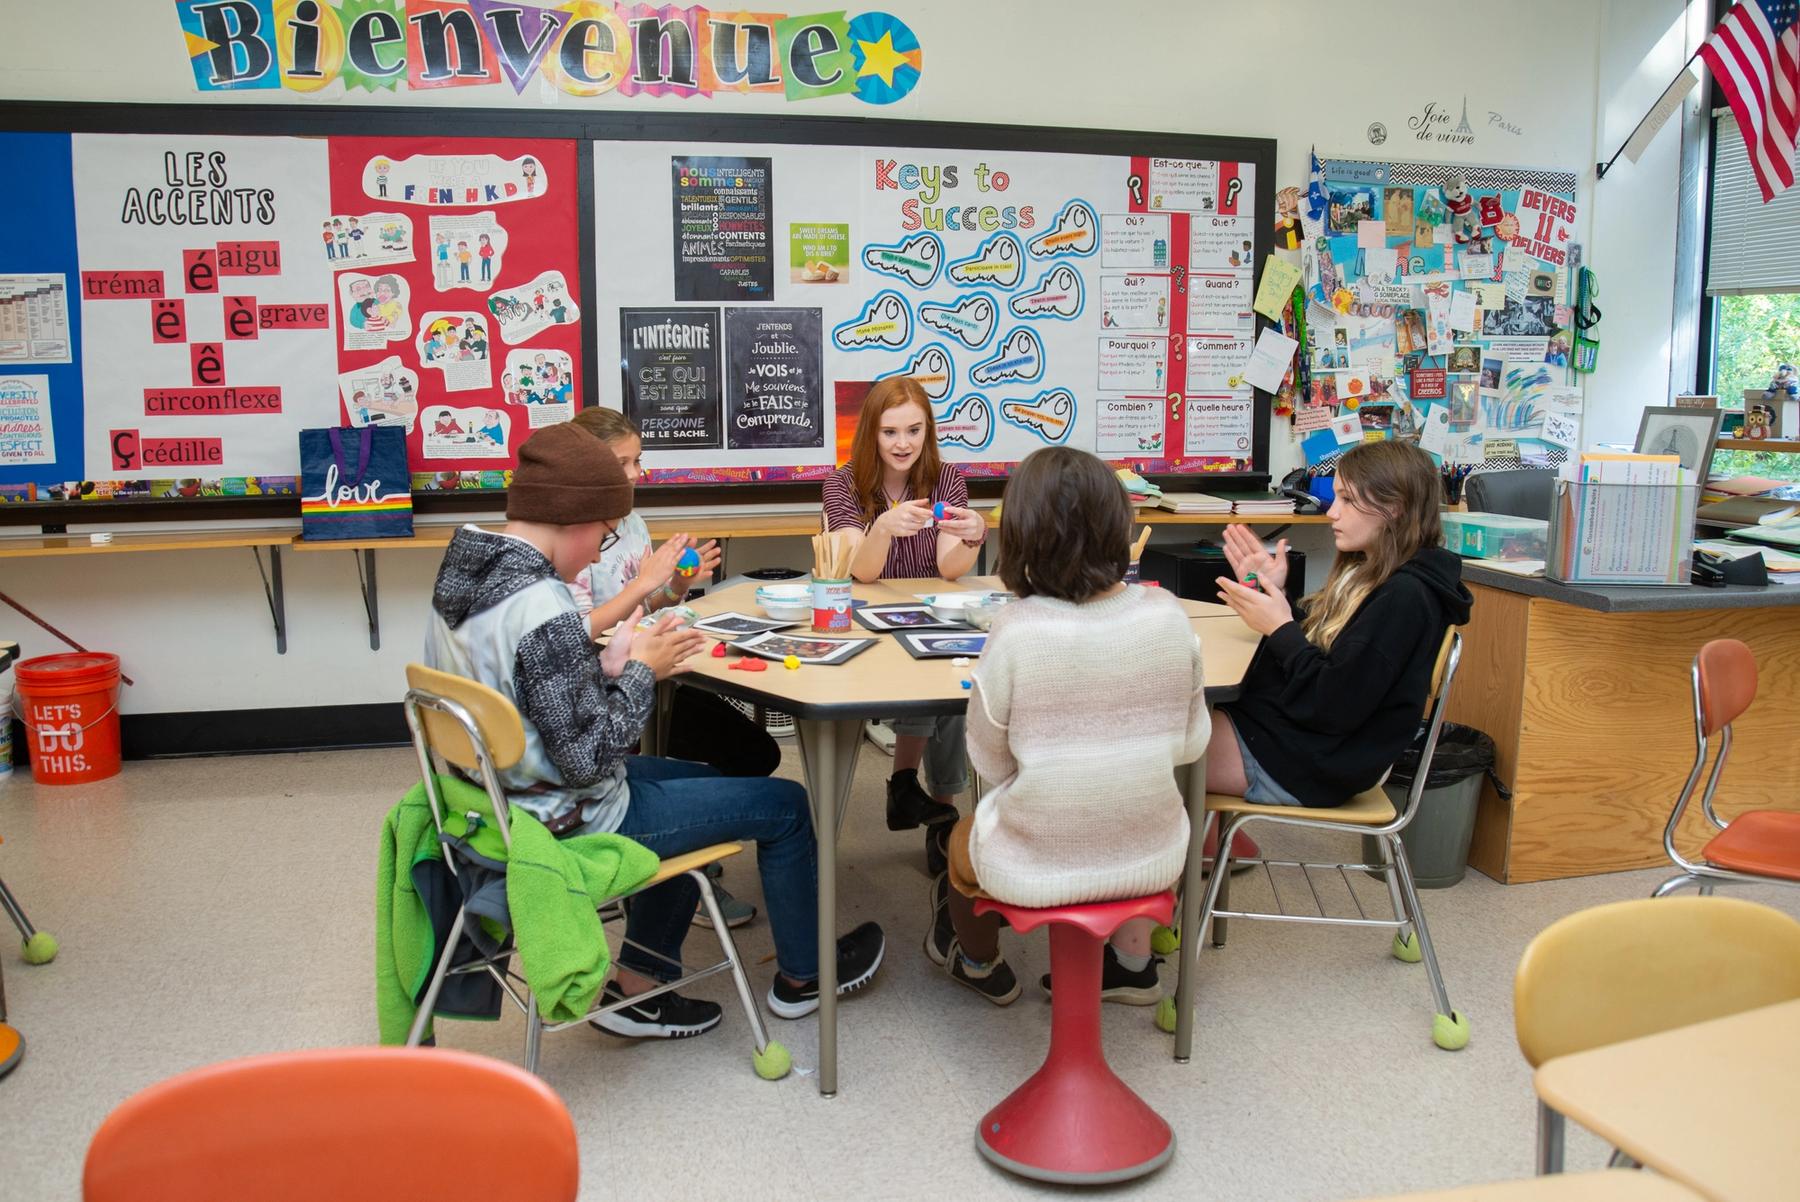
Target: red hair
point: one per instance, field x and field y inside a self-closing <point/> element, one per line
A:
<point x="865" y="448"/>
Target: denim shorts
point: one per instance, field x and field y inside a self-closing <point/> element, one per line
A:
<point x="1259" y="786"/>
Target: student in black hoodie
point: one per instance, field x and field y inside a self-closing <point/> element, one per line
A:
<point x="1334" y="693"/>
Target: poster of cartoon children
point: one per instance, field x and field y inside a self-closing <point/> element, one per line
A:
<point x="466" y="251"/>
<point x="456" y="344"/>
<point x="537" y="306"/>
<point x="453" y="433"/>
<point x="367" y="239"/>
<point x="541" y="381"/>
<point x="381" y="394"/>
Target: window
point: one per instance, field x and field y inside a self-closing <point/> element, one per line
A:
<point x="1753" y="290"/>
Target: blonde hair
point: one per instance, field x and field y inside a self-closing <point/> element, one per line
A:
<point x="1399" y="482"/>
<point x="608" y="425"/>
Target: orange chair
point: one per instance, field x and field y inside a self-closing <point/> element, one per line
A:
<point x="1756" y="847"/>
<point x="348" y="1124"/>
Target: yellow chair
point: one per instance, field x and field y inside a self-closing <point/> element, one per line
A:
<point x="1636" y="968"/>
<point x="1369" y="813"/>
<point x="478" y="731"/>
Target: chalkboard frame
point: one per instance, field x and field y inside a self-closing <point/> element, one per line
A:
<point x="586" y="128"/>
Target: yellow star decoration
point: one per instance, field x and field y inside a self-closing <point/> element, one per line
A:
<point x="880" y="58"/>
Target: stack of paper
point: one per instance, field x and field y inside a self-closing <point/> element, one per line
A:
<point x="1266" y="503"/>
<point x="1193" y="502"/>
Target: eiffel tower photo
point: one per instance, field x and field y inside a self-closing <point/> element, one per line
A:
<point x="1463" y="127"/>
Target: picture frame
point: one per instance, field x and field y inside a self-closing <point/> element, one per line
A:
<point x="1675" y="430"/>
<point x="734" y="625"/>
<point x="942" y="644"/>
<point x="807" y="648"/>
<point x="889" y="619"/>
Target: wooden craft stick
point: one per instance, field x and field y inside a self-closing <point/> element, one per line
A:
<point x="1137" y="548"/>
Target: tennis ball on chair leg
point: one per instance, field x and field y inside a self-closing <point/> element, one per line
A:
<point x="773" y="1062"/>
<point x="40" y="948"/>
<point x="1164" y="941"/>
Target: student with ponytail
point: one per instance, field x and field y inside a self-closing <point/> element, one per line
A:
<point x="1334" y="693"/>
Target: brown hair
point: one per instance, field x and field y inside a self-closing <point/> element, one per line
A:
<point x="1065" y="526"/>
<point x="608" y="425"/>
<point x="865" y="449"/>
<point x="1401" y="483"/>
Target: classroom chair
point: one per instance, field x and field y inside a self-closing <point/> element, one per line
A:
<point x="1527" y="492"/>
<point x="1635" y="968"/>
<point x="478" y="731"/>
<point x="348" y="1124"/>
<point x="1758" y="846"/>
<point x="1370" y="812"/>
<point x="1073" y="1122"/>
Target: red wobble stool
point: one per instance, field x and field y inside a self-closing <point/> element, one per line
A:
<point x="1074" y="1122"/>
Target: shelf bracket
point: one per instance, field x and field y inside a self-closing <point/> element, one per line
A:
<point x="271" y="582"/>
<point x="365" y="576"/>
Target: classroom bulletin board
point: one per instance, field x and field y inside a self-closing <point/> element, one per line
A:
<point x="182" y="290"/>
<point x="1437" y="309"/>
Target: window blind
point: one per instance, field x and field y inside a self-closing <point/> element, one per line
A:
<point x="1755" y="247"/>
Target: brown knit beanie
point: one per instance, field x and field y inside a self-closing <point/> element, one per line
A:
<point x="567" y="477"/>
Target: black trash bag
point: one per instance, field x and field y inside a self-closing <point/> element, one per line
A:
<point x="1462" y="752"/>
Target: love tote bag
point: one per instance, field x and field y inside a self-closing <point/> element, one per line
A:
<point x="354" y="483"/>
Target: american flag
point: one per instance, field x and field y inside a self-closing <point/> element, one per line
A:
<point x="1754" y="55"/>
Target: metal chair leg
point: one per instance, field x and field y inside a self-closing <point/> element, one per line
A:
<point x="1221" y="876"/>
<point x="1389" y="877"/>
<point x="422" y="1018"/>
<point x="1438" y="994"/>
<point x="534" y="1032"/>
<point x="1675" y="884"/>
<point x="26" y="930"/>
<point x="1549" y="1141"/>
<point x="1216" y="885"/>
<point x="728" y="945"/>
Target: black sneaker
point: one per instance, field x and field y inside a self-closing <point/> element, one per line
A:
<point x="909" y="806"/>
<point x="858" y="956"/>
<point x="1117" y="984"/>
<point x="937" y="849"/>
<point x="995" y="981"/>
<point x="940" y="936"/>
<point x="665" y="1016"/>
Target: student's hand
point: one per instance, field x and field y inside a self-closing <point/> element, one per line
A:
<point x="903" y="520"/>
<point x="666" y="647"/>
<point x="709" y="563"/>
<point x="965" y="524"/>
<point x="1244" y="552"/>
<point x="659" y="565"/>
<point x="618" y="648"/>
<point x="1263" y="608"/>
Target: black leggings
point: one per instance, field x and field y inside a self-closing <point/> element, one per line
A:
<point x="706" y="728"/>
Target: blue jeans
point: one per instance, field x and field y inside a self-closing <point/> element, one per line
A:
<point x="677" y="807"/>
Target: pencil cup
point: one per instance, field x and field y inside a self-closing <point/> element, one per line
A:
<point x="831" y="606"/>
<point x="1131" y="572"/>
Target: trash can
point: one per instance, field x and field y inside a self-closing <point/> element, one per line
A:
<point x="1437" y="839"/>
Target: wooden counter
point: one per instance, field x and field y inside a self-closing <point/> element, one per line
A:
<point x="1588" y="696"/>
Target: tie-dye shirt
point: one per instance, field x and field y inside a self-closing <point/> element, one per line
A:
<point x="617" y="566"/>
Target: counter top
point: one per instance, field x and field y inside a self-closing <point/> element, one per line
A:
<point x="1630" y="599"/>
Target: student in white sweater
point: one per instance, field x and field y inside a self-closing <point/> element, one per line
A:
<point x="1088" y="696"/>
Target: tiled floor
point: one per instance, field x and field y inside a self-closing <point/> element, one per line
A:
<point x="214" y="908"/>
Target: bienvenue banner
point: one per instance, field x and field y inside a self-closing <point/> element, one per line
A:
<point x="581" y="47"/>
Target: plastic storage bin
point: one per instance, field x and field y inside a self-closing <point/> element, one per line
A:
<point x="1496" y="536"/>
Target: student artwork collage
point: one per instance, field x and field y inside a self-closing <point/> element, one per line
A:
<point x="1435" y="312"/>
<point x="454" y="264"/>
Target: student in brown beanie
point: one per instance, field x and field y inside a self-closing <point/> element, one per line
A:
<point x="502" y="614"/>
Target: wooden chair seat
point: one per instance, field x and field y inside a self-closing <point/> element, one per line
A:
<point x="1371" y="807"/>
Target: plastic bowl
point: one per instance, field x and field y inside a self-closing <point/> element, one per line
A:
<point x="980" y="614"/>
<point x="784" y="613"/>
<point x="953" y="607"/>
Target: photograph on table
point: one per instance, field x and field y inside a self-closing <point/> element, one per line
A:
<point x="903" y="617"/>
<point x="807" y="651"/>
<point x="1689" y="433"/>
<point x="942" y="646"/>
<point x="734" y="625"/>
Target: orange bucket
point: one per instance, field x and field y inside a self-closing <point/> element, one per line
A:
<point x="70" y="707"/>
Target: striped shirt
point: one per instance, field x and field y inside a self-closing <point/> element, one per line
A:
<point x="915" y="555"/>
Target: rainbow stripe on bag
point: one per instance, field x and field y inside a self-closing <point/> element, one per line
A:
<point x="318" y="507"/>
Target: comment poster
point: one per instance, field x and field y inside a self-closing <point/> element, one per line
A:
<point x="775" y="394"/>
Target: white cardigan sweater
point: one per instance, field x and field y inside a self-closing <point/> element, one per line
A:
<point x="1078" y="717"/>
